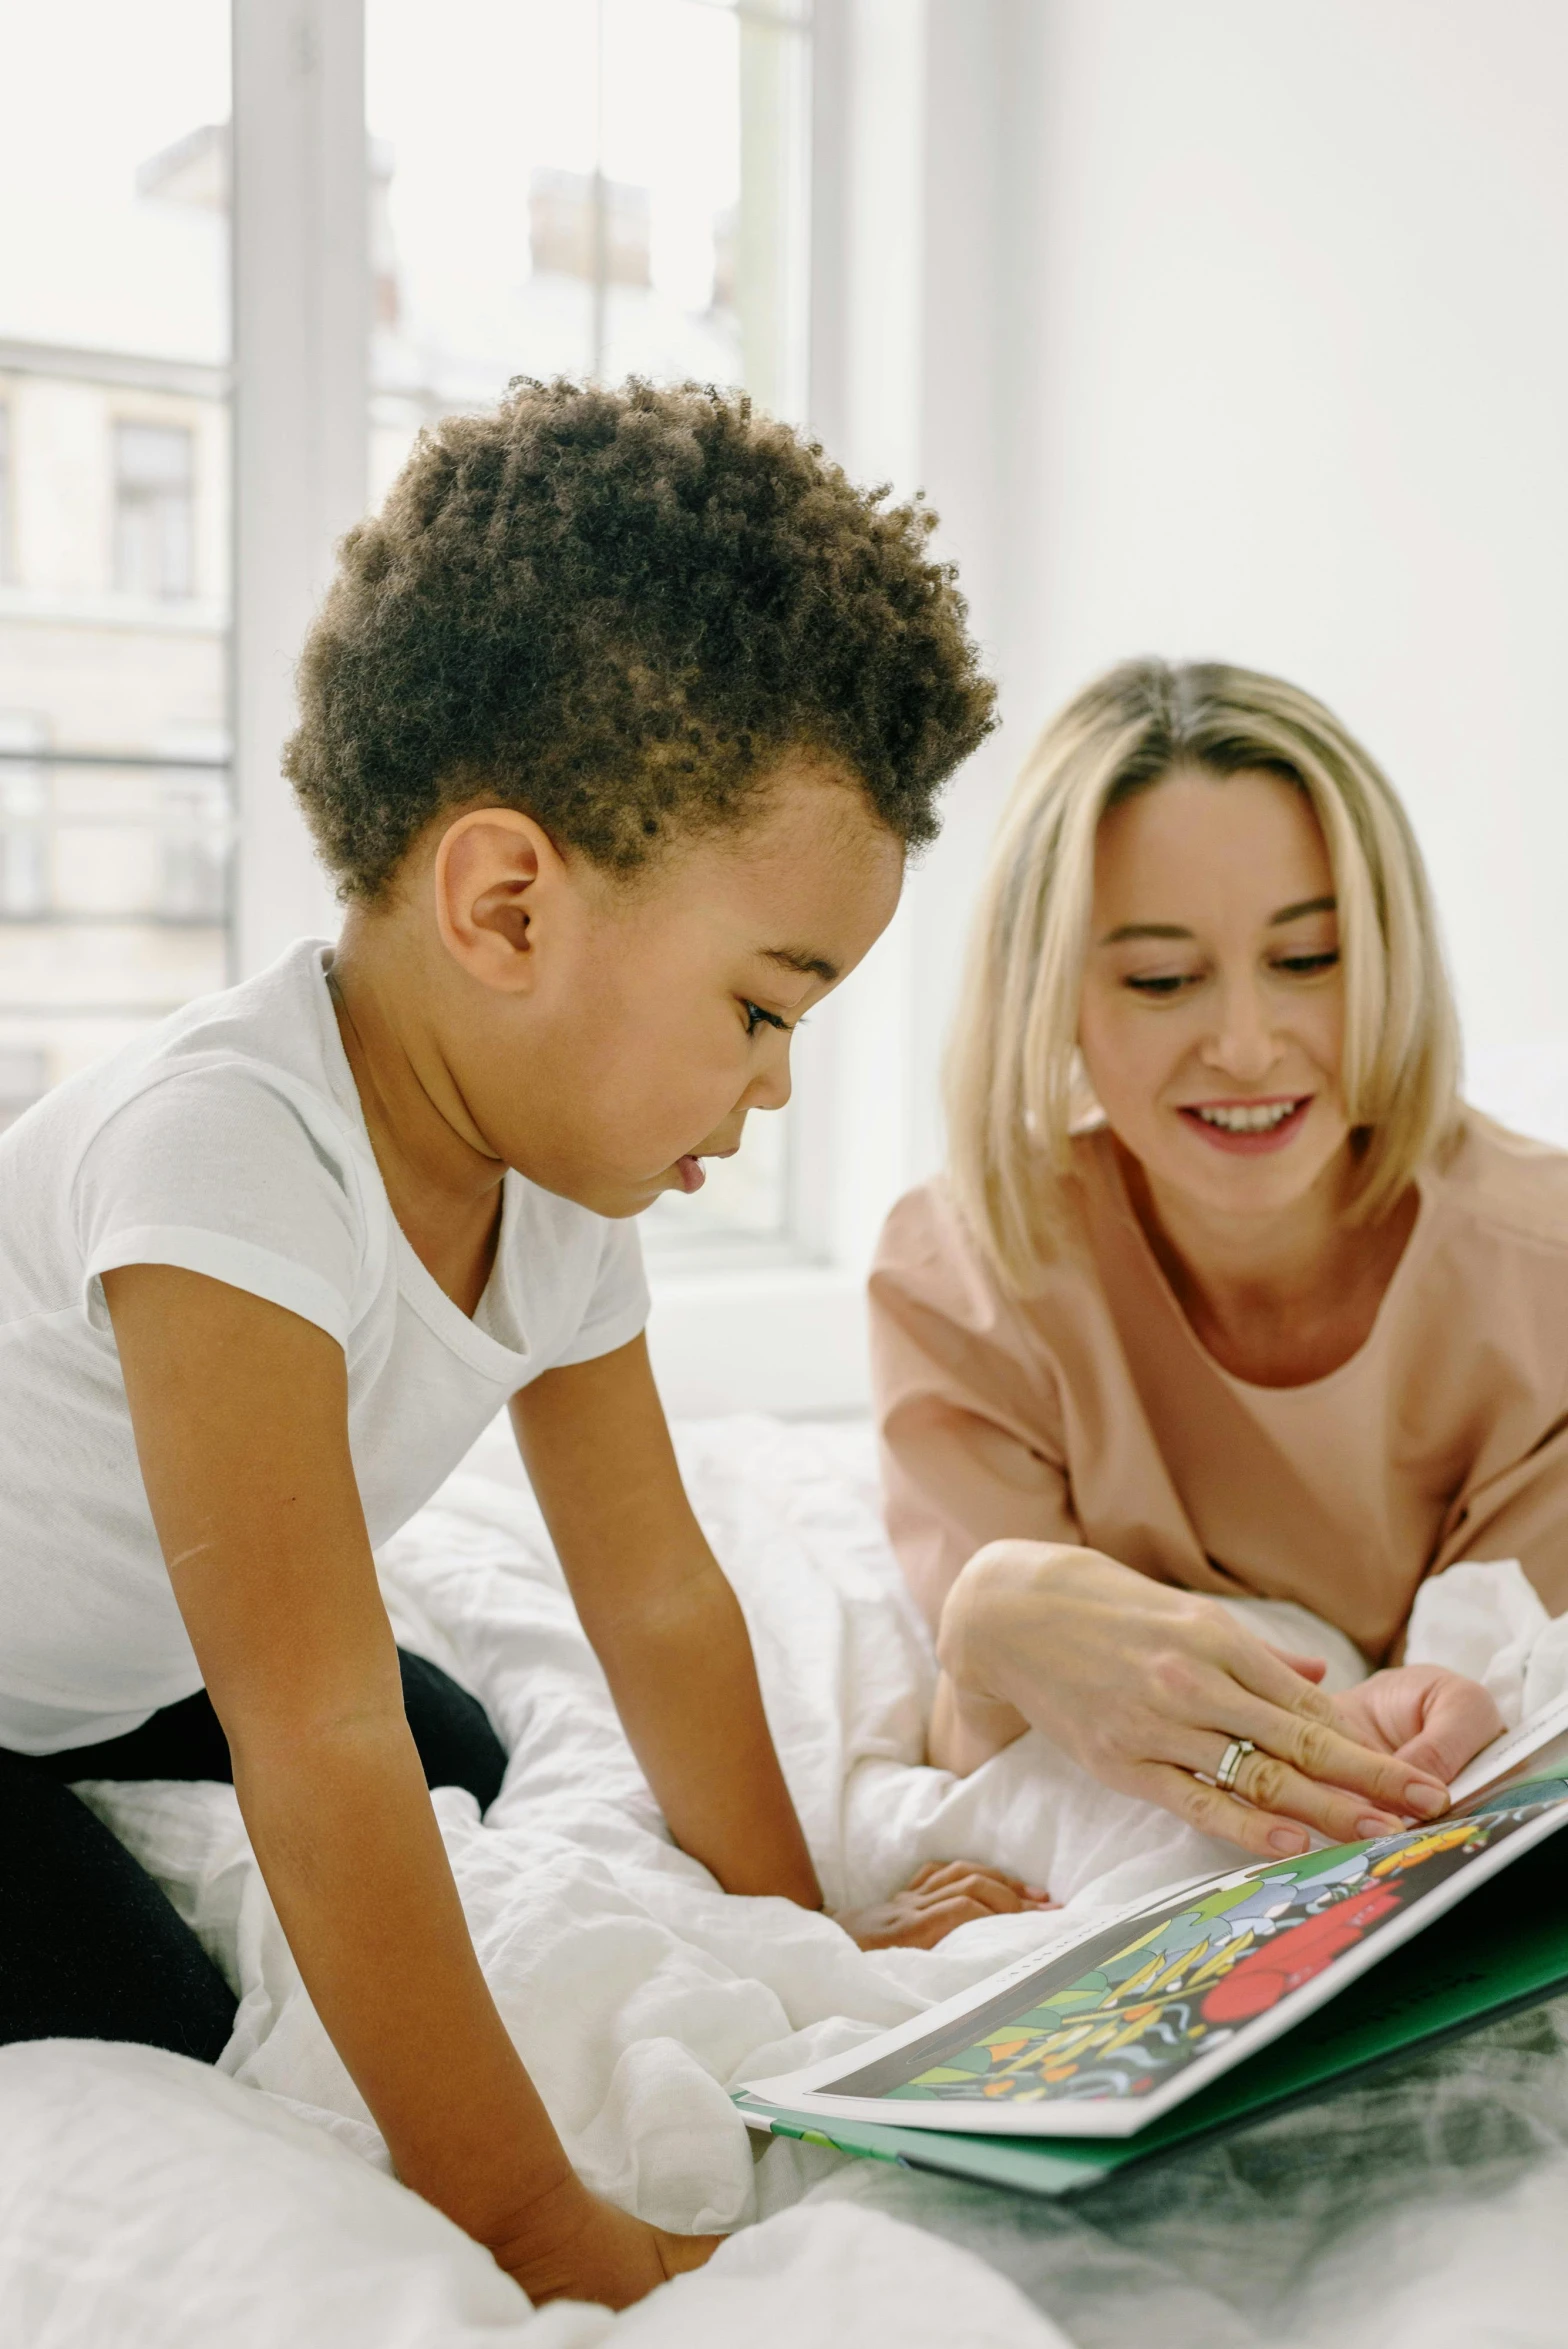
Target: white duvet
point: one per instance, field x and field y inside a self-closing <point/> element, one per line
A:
<point x="144" y="2200"/>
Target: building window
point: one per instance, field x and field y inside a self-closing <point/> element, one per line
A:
<point x="622" y="191"/>
<point x="24" y="820"/>
<point x="154" y="510"/>
<point x="581" y="224"/>
<point x="24" y="1079"/>
<point x="7" y="516"/>
<point x="194" y="835"/>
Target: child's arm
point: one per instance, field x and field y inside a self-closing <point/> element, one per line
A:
<point x="240" y="1414"/>
<point x="662" y="1619"/>
<point x="669" y="1632"/>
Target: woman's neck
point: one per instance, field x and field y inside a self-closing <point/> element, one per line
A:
<point x="1278" y="1300"/>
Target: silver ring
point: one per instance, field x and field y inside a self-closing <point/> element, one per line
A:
<point x="1230" y="1762"/>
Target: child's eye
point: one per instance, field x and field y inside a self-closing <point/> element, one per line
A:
<point x="1307" y="966"/>
<point x="757" y="1018"/>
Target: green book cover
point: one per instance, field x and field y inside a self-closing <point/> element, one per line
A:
<point x="1483" y="1948"/>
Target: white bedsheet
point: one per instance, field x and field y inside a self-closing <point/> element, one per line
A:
<point x="142" y="2199"/>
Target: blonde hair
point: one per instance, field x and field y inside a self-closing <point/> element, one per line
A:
<point x="1015" y="1088"/>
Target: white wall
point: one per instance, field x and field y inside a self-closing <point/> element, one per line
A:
<point x="1292" y="389"/>
<point x="1211" y="327"/>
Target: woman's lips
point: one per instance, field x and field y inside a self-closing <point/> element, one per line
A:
<point x="1260" y="1140"/>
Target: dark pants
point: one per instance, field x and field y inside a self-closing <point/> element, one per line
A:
<point x="90" y="1947"/>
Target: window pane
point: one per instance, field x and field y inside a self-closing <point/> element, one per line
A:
<point x="114" y="346"/>
<point x="593" y="188"/>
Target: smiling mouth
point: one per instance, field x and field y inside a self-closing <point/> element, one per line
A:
<point x="1248" y="1127"/>
<point x="1246" y="1117"/>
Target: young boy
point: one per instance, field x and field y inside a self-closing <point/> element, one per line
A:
<point x="616" y="727"/>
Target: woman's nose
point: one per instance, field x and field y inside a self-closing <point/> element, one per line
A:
<point x="1243" y="1045"/>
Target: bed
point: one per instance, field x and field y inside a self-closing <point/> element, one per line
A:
<point x="144" y="2200"/>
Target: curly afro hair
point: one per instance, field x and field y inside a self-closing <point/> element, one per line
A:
<point x="615" y="610"/>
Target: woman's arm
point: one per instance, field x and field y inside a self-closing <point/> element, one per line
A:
<point x="240" y="1415"/>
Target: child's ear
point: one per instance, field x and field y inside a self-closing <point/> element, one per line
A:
<point x="488" y="872"/>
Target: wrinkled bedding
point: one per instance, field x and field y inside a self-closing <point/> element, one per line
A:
<point x="145" y="2200"/>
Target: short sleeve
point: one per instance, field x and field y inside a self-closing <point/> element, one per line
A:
<point x="219" y="1171"/>
<point x="617" y="1308"/>
<point x="1523" y="1514"/>
<point x="967" y="1408"/>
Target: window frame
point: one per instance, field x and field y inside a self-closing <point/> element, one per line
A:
<point x="901" y="156"/>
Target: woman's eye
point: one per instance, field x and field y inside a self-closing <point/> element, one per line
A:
<point x="1162" y="983"/>
<point x="1307" y="966"/>
<point x="757" y="1018"/>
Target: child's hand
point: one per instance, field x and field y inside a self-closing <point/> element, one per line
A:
<point x="1433" y="1719"/>
<point x="937" y="1899"/>
<point x="583" y="2249"/>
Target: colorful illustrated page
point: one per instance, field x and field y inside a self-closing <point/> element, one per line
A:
<point x="1122" y="2018"/>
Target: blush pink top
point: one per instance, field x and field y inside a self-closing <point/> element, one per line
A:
<point x="1090" y="1412"/>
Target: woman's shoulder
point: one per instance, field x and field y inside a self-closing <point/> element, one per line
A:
<point x="1503" y="1186"/>
<point x="930" y="1253"/>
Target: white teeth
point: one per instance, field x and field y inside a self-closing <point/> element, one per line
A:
<point x="1243" y="1120"/>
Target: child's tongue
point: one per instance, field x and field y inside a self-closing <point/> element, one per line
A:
<point x="692" y="1172"/>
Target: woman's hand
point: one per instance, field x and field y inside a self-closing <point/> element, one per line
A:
<point x="1146" y="1686"/>
<point x="572" y="2246"/>
<point x="938" y="1898"/>
<point x="1435" y="1721"/>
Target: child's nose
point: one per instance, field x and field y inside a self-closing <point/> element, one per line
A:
<point x="771" y="1087"/>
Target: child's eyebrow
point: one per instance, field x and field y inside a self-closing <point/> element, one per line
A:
<point x="796" y="958"/>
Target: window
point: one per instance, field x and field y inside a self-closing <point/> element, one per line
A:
<point x="7" y="525"/>
<point x="591" y="186"/>
<point x="154" y="469"/>
<point x="621" y="190"/>
<point x="114" y="346"/>
<point x="24" y="820"/>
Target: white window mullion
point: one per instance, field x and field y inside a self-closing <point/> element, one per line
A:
<point x="301" y="409"/>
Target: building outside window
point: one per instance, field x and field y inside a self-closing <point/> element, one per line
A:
<point x="7" y="499"/>
<point x="621" y="190"/>
<point x="154" y="510"/>
<point x="114" y="524"/>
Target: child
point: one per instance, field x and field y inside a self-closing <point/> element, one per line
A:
<point x="616" y="727"/>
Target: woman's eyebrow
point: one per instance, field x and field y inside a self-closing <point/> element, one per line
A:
<point x="1287" y="913"/>
<point x="1308" y="905"/>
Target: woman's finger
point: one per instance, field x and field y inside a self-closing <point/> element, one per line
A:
<point x="1272" y="1786"/>
<point x="1213" y="1812"/>
<point x="1295" y="1722"/>
<point x="1308" y="1667"/>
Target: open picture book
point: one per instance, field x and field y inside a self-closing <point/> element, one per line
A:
<point x="1184" y="2013"/>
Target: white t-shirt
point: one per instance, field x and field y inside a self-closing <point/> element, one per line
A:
<point x="231" y="1142"/>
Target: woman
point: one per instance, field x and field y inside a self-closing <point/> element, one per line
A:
<point x="1227" y="1293"/>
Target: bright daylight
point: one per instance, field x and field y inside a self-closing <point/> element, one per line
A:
<point x="783" y="1174"/>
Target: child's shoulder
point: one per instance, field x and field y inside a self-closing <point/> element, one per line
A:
<point x="273" y="1034"/>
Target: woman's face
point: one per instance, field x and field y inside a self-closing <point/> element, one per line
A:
<point x="1212" y="1014"/>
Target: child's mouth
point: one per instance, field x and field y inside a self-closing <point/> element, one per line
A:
<point x="691" y="1172"/>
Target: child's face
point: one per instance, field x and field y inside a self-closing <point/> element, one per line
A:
<point x="620" y="1033"/>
